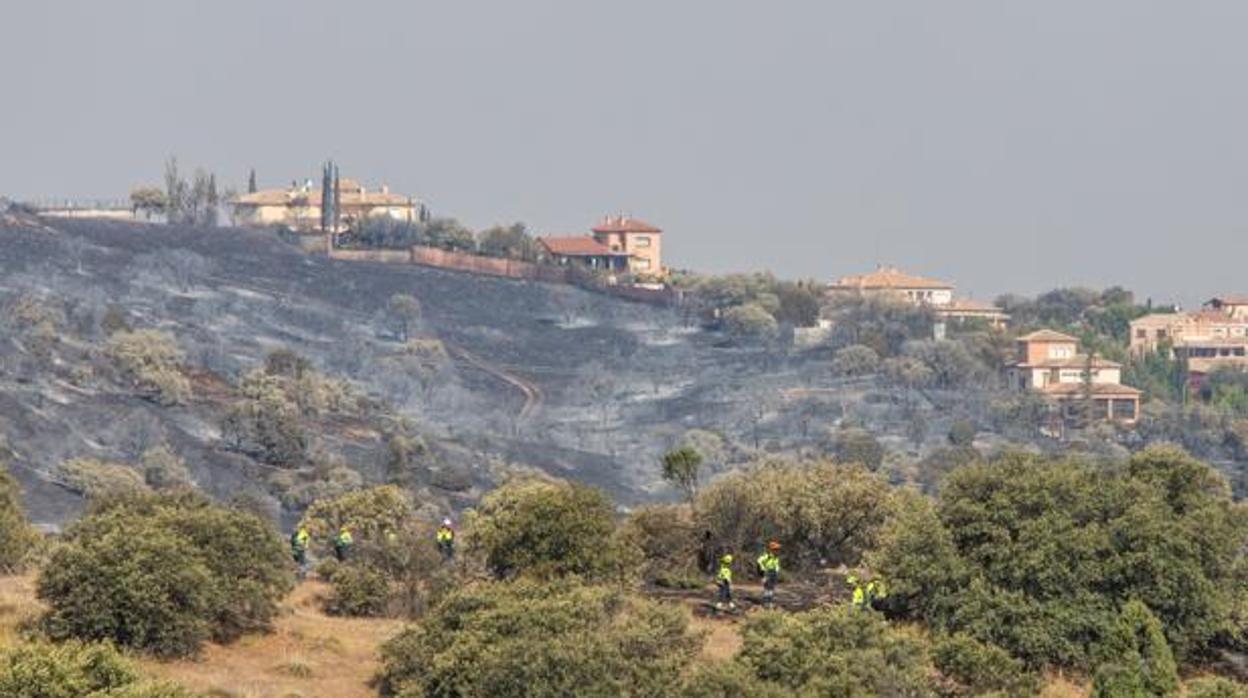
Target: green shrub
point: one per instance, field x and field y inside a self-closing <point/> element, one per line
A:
<point x="358" y="590"/>
<point x="164" y="470"/>
<point x="858" y="447"/>
<point x="818" y="511"/>
<point x="370" y="513"/>
<point x="1216" y="687"/>
<point x="665" y="535"/>
<point x="98" y="479"/>
<point x="74" y="670"/>
<point x="919" y="560"/>
<point x="163" y="573"/>
<point x="980" y="668"/>
<point x="394" y="566"/>
<point x="152" y="362"/>
<point x="266" y="423"/>
<point x="727" y="680"/>
<point x="1137" y="657"/>
<point x="540" y="639"/>
<point x="17" y="538"/>
<point x="961" y="434"/>
<point x="1055" y="549"/>
<point x="836" y="651"/>
<point x="548" y="529"/>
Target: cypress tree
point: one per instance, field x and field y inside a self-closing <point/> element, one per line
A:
<point x="251" y="181"/>
<point x="337" y="199"/>
<point x="326" y="197"/>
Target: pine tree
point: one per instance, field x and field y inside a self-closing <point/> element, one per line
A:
<point x="251" y="181"/>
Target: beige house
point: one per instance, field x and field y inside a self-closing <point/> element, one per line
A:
<point x="1234" y="305"/>
<point x="299" y="207"/>
<point x="1050" y="363"/>
<point x="937" y="295"/>
<point x="1214" y="337"/>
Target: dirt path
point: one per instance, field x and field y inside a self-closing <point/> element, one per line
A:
<point x="533" y="396"/>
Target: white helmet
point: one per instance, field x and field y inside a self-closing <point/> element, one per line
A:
<point x="446" y="522"/>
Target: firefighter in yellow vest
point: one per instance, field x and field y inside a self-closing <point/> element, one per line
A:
<point x="299" y="549"/>
<point x="723" y="579"/>
<point x="342" y="543"/>
<point x="864" y="593"/>
<point x="769" y="568"/>
<point x="446" y="539"/>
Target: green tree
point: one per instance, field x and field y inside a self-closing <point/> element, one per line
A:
<point x="681" y="467"/>
<point x="148" y="201"/>
<point x="962" y="433"/>
<point x="547" y="529"/>
<point x="858" y="446"/>
<point x="855" y="360"/>
<point x="511" y="241"/>
<point x="164" y="573"/>
<point x="751" y="322"/>
<point x="403" y="313"/>
<point x="1038" y="555"/>
<point x="818" y="511"/>
<point x="152" y="362"/>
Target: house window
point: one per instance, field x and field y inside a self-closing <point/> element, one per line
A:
<point x="1141" y="334"/>
<point x="1061" y="351"/>
<point x="642" y="264"/>
<point x="643" y="241"/>
<point x="1161" y="334"/>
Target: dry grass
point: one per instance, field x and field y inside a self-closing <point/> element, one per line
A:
<point x="307" y="654"/>
<point x="17" y="606"/>
<point x="1056" y="686"/>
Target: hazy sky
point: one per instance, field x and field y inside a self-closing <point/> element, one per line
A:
<point x="1002" y="145"/>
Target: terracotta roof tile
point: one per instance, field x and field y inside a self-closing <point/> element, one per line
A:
<point x="888" y="278"/>
<point x="577" y="246"/>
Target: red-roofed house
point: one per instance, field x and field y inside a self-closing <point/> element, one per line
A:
<point x="636" y="238"/>
<point x="584" y="249"/>
<point x="617" y="243"/>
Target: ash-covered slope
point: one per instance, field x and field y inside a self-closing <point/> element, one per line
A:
<point x="582" y="385"/>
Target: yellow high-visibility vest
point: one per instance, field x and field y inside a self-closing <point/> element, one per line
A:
<point x="769" y="563"/>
